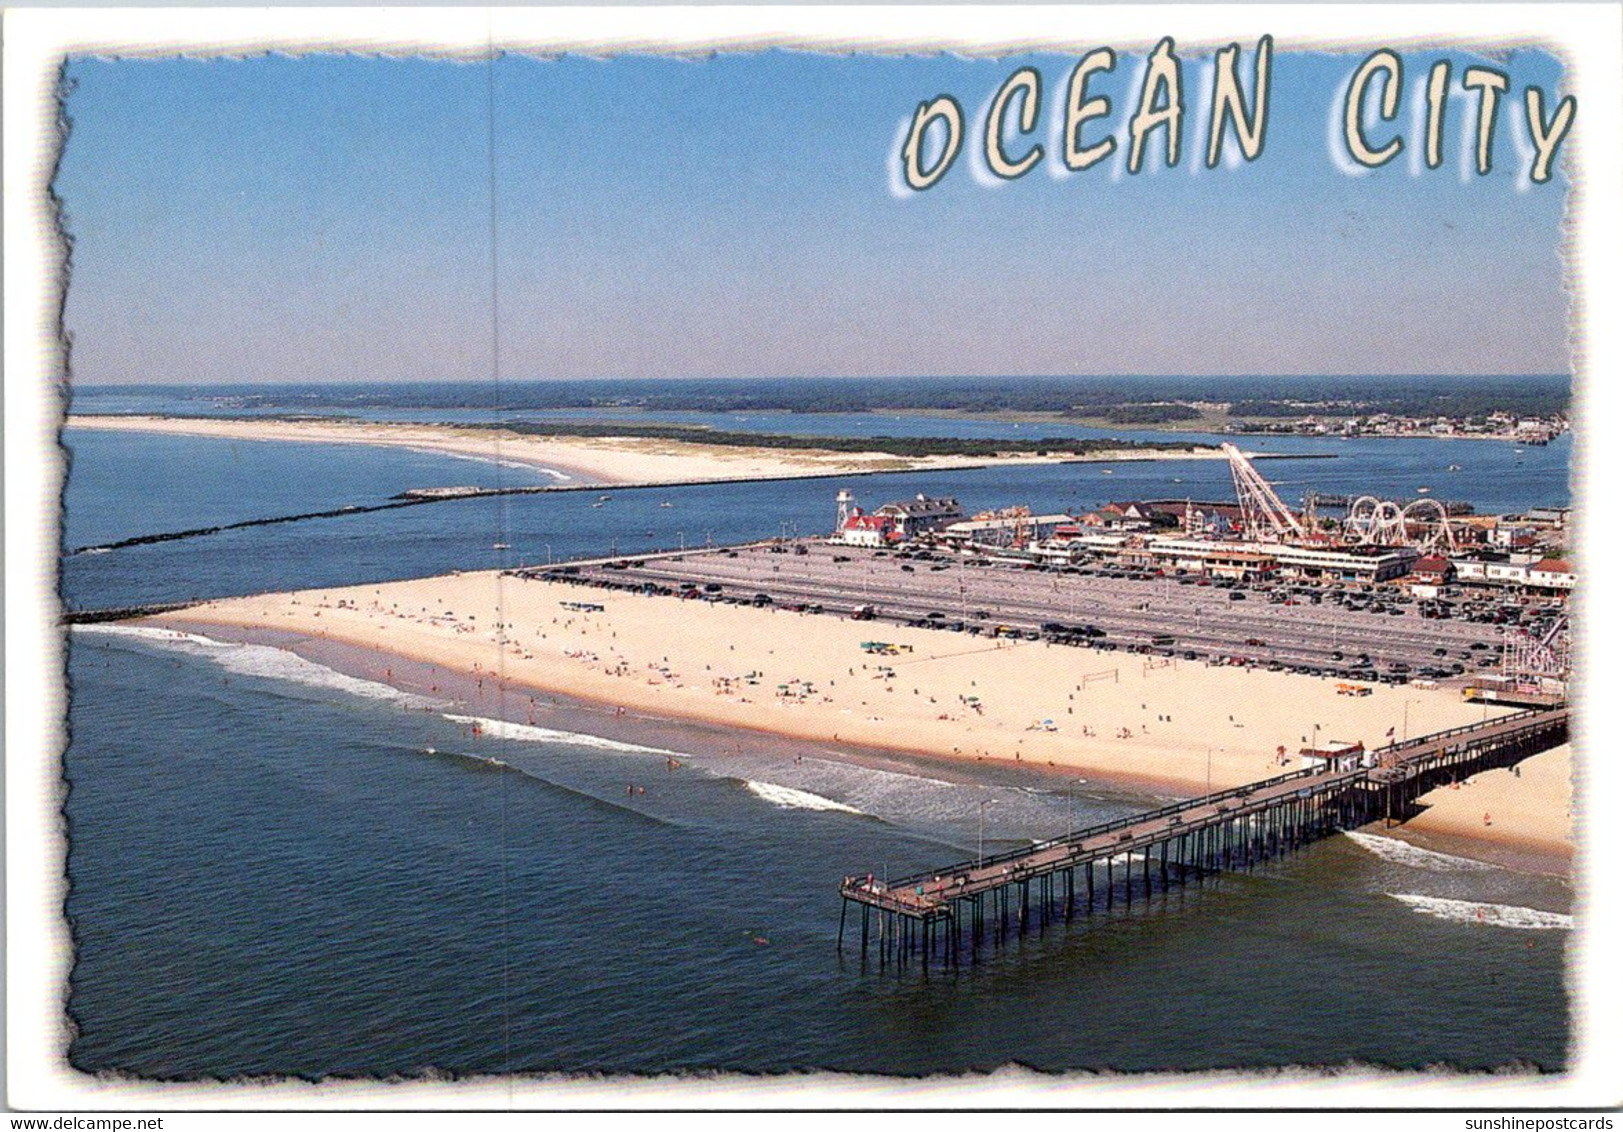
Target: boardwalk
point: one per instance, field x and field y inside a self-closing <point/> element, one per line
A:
<point x="934" y="912"/>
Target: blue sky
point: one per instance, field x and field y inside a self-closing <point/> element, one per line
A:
<point x="335" y="218"/>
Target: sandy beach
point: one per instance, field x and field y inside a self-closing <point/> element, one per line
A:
<point x="1526" y="809"/>
<point x="1167" y="725"/>
<point x="609" y="460"/>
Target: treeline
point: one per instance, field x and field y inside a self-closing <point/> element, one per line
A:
<point x="890" y="445"/>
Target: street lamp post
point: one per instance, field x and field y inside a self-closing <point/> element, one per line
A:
<point x="980" y="833"/>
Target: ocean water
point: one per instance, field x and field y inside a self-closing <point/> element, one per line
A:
<point x="276" y="871"/>
<point x="123" y="484"/>
<point x="280" y="868"/>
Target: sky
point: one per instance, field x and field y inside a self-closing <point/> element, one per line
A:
<point x="336" y="218"/>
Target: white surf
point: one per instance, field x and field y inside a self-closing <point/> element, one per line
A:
<point x="788" y="798"/>
<point x="1495" y="915"/>
<point x="263" y="661"/>
<point x="1402" y="853"/>
<point x="529" y="733"/>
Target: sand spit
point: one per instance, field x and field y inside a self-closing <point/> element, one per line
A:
<point x="610" y="460"/>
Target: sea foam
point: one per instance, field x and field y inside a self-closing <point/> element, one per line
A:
<point x="262" y="661"/>
<point x="148" y="633"/>
<point x="1495" y="915"/>
<point x="529" y="733"/>
<point x="1402" y="853"/>
<point x="788" y="798"/>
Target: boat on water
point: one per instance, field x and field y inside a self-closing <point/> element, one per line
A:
<point x="500" y="546"/>
<point x="1110" y="472"/>
<point x="1423" y="490"/>
<point x="1453" y="467"/>
<point x="667" y="503"/>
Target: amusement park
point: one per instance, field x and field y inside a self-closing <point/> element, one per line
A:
<point x="1436" y="558"/>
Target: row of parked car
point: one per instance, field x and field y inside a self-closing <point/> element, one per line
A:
<point x="1359" y="667"/>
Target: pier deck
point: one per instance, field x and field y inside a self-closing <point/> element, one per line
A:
<point x="1228" y="829"/>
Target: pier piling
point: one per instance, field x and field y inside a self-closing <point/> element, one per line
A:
<point x="1223" y="831"/>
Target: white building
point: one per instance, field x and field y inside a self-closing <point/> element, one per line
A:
<point x="1551" y="574"/>
<point x="867" y="530"/>
<point x="921" y="513"/>
<point x="1005" y="528"/>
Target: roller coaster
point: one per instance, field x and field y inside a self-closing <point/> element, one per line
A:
<point x="1425" y="524"/>
<point x="1370" y="521"/>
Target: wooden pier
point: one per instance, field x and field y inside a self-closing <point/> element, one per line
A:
<point x="935" y="915"/>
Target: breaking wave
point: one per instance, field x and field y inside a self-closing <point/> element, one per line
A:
<point x="1402" y="853"/>
<point x="529" y="733"/>
<point x="148" y="633"/>
<point x="788" y="798"/>
<point x="263" y="661"/>
<point x="1496" y="915"/>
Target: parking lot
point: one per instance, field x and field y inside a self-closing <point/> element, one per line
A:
<point x="1350" y="631"/>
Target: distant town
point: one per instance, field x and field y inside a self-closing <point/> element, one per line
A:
<point x="1325" y="420"/>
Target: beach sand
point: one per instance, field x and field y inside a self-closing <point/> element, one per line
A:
<point x="1530" y="804"/>
<point x="1167" y="725"/>
<point x="609" y="460"/>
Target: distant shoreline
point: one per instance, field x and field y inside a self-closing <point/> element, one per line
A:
<point x="611" y="459"/>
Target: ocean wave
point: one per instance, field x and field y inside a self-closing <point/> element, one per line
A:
<point x="149" y="633"/>
<point x="482" y="760"/>
<point x="1495" y="915"/>
<point x="264" y="661"/>
<point x="529" y="733"/>
<point x="788" y="798"/>
<point x="1397" y="852"/>
<point x="529" y="774"/>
